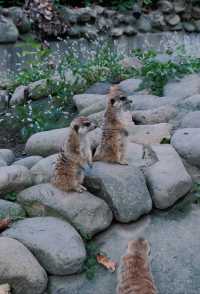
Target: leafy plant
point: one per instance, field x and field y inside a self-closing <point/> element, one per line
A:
<point x="91" y="264"/>
<point x="11" y="196"/>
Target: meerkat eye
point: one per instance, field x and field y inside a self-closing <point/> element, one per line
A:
<point x="112" y="101"/>
<point x="123" y="98"/>
<point x="87" y="124"/>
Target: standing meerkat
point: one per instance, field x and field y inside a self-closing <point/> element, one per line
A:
<point x="75" y="155"/>
<point x="114" y="133"/>
<point x="134" y="273"/>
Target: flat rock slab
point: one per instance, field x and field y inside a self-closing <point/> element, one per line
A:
<point x="87" y="213"/>
<point x="101" y="88"/>
<point x="187" y="142"/>
<point x="191" y="120"/>
<point x="130" y="86"/>
<point x="20" y="269"/>
<point x="54" y="242"/>
<point x="7" y="155"/>
<point x="42" y="172"/>
<point x="14" y="178"/>
<point x="167" y="179"/>
<point x="161" y="114"/>
<point x="28" y="162"/>
<point x="149" y="134"/>
<point x="186" y="87"/>
<point x="94" y="108"/>
<point x="122" y="187"/>
<point x="84" y="100"/>
<point x="11" y="210"/>
<point x="175" y="258"/>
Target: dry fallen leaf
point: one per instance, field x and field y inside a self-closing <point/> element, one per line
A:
<point x="4" y="224"/>
<point x="106" y="262"/>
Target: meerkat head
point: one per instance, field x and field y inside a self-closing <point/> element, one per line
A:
<point x="118" y="100"/>
<point x="82" y="125"/>
<point x="139" y="246"/>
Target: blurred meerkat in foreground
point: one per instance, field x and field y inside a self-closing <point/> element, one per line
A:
<point x="114" y="133"/>
<point x="134" y="274"/>
<point x="75" y="155"/>
<point x="5" y="289"/>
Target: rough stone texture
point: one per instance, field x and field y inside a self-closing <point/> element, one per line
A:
<point x="8" y="31"/>
<point x="159" y="115"/>
<point x="191" y="120"/>
<point x="122" y="187"/>
<point x="19" y="95"/>
<point x="87" y="213"/>
<point x="42" y="171"/>
<point x="174" y="257"/>
<point x="14" y="178"/>
<point x="149" y="134"/>
<point x="192" y="102"/>
<point x="2" y="162"/>
<point x="50" y="142"/>
<point x="20" y="19"/>
<point x="11" y="210"/>
<point x="186" y="142"/>
<point x="55" y="243"/>
<point x="7" y="155"/>
<point x="38" y="89"/>
<point x="100" y="88"/>
<point x="20" y="269"/>
<point x="130" y="86"/>
<point x="131" y="62"/>
<point x="146" y="102"/>
<point x="84" y="100"/>
<point x="167" y="179"/>
<point x="186" y="87"/>
<point x="28" y="162"/>
<point x="94" y="108"/>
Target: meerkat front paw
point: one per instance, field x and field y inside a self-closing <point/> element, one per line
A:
<point x="81" y="189"/>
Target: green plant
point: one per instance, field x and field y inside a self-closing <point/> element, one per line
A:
<point x="91" y="265"/>
<point x="11" y="196"/>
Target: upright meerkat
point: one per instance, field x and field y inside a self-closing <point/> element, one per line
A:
<point x="114" y="133"/>
<point x="75" y="155"/>
<point x="134" y="274"/>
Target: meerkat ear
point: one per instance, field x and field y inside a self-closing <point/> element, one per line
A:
<point x="112" y="101"/>
<point x="76" y="128"/>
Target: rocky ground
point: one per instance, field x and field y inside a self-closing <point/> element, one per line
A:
<point x="46" y="246"/>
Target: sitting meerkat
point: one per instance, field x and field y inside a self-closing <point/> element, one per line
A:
<point x="114" y="133"/>
<point x="74" y="157"/>
<point x="134" y="274"/>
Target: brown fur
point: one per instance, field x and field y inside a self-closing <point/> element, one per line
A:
<point x="134" y="273"/>
<point x="114" y="134"/>
<point x="76" y="154"/>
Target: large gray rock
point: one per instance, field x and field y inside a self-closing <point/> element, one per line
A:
<point x="94" y="108"/>
<point x="192" y="102"/>
<point x="28" y="162"/>
<point x="186" y="142"/>
<point x="186" y="87"/>
<point x="122" y="187"/>
<point x="174" y="254"/>
<point x="2" y="162"/>
<point x="20" y="269"/>
<point x="149" y="134"/>
<point x="19" y="96"/>
<point x="14" y="178"/>
<point x="55" y="243"/>
<point x="11" y="210"/>
<point x="161" y="114"/>
<point x="84" y="100"/>
<point x="130" y="86"/>
<point x="7" y="155"/>
<point x="100" y="88"/>
<point x="8" y="31"/>
<point x="167" y="179"/>
<point x="87" y="213"/>
<point x="191" y="120"/>
<point x="43" y="171"/>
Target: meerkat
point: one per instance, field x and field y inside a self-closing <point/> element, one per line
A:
<point x="114" y="133"/>
<point x="74" y="156"/>
<point x="134" y="273"/>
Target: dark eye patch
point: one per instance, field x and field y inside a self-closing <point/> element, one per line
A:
<point x="87" y="124"/>
<point x="123" y="98"/>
